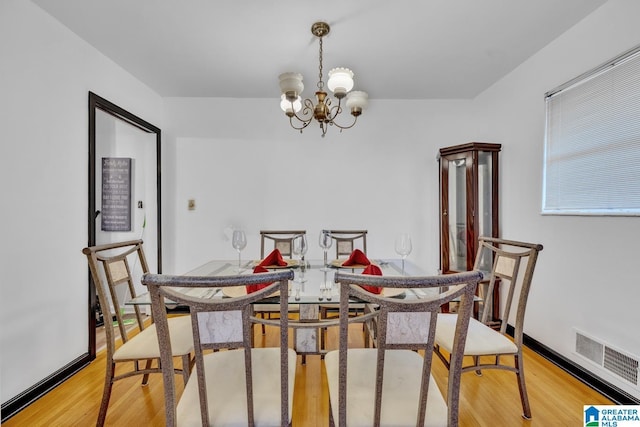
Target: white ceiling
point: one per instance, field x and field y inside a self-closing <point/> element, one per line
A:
<point x="400" y="49"/>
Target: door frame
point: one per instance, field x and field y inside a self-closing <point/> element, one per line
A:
<point x="96" y="102"/>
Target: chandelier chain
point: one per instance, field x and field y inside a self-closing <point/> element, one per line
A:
<point x="320" y="82"/>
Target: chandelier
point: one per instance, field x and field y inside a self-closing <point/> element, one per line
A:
<point x="302" y="113"/>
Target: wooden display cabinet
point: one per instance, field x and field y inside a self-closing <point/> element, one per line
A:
<point x="468" y="205"/>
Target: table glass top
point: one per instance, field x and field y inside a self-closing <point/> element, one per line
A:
<point x="312" y="285"/>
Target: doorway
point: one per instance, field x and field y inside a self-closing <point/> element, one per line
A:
<point x="124" y="190"/>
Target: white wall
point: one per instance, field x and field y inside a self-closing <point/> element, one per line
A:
<point x="252" y="170"/>
<point x="585" y="276"/>
<point x="46" y="72"/>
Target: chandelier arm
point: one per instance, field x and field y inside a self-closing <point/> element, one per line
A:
<point x="335" y="110"/>
<point x="305" y="117"/>
<point x="304" y="123"/>
<point x="355" y="119"/>
<point x="308" y="107"/>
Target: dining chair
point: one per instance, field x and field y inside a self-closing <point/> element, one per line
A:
<point x="112" y="266"/>
<point x="232" y="383"/>
<point x="281" y="239"/>
<point x="391" y="385"/>
<point x="348" y="240"/>
<point x="487" y="340"/>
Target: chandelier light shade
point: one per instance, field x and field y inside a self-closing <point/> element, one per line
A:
<point x="322" y="109"/>
<point x="340" y="81"/>
<point x="288" y="106"/>
<point x="357" y="101"/>
<point x="291" y="85"/>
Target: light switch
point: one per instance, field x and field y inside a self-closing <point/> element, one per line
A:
<point x="192" y="204"/>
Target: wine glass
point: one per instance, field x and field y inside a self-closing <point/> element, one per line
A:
<point x="325" y="241"/>
<point x="239" y="242"/>
<point x="403" y="247"/>
<point x="300" y="249"/>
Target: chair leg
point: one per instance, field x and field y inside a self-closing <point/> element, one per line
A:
<point x="365" y="331"/>
<point x="323" y="331"/>
<point x="106" y="394"/>
<point x="476" y="361"/>
<point x="441" y="356"/>
<point x="526" y="409"/>
<point x="186" y="368"/>
<point x="145" y="377"/>
<point x="332" y="423"/>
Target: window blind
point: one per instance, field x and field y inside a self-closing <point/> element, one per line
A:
<point x="592" y="142"/>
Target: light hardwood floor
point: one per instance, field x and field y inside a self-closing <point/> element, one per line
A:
<point x="556" y="397"/>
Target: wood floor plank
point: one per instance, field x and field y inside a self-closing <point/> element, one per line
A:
<point x="488" y="400"/>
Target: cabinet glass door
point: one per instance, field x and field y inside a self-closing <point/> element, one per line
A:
<point x="485" y="202"/>
<point x="457" y="214"/>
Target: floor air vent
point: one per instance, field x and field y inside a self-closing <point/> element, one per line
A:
<point x="589" y="348"/>
<point x="616" y="362"/>
<point x="620" y="364"/>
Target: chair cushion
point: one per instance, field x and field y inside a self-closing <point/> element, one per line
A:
<point x="226" y="389"/>
<point x="145" y="344"/>
<point x="400" y="394"/>
<point x="481" y="339"/>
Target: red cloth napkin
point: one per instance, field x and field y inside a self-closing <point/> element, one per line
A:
<point x="375" y="271"/>
<point x="257" y="287"/>
<point x="357" y="257"/>
<point x="274" y="258"/>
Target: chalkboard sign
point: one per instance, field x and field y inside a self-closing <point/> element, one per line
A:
<point x="116" y="194"/>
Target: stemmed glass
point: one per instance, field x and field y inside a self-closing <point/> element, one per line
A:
<point x="300" y="249"/>
<point x="325" y="241"/>
<point x="239" y="242"/>
<point x="403" y="247"/>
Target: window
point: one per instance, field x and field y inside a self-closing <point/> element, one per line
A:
<point x="592" y="144"/>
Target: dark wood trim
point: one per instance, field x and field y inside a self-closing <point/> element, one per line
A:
<point x="24" y="399"/>
<point x="444" y="212"/>
<point x="618" y="396"/>
<point x="92" y="303"/>
<point x="96" y="102"/>
<point x="470" y="146"/>
<point x="471" y="193"/>
<point x="159" y="197"/>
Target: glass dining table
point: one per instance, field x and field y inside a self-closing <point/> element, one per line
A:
<point x="313" y="286"/>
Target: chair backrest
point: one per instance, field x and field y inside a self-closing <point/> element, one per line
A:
<point x="511" y="264"/>
<point x="348" y="240"/>
<point x="407" y="324"/>
<point x="112" y="269"/>
<point x="218" y="324"/>
<point x="282" y="240"/>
